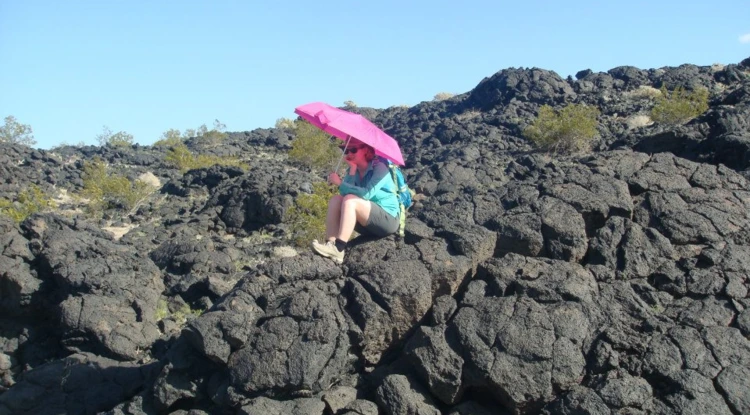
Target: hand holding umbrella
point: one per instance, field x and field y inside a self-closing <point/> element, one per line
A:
<point x="334" y="178"/>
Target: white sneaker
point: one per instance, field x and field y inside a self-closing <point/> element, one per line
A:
<point x="328" y="250"/>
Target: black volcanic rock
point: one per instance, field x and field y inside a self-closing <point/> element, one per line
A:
<point x="81" y="383"/>
<point x="613" y="281"/>
<point x="105" y="294"/>
<point x="534" y="85"/>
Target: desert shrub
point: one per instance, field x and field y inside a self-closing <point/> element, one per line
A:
<point x="169" y="138"/>
<point x="204" y="136"/>
<point x="678" y="106"/>
<point x="16" y="133"/>
<point x="118" y="139"/>
<point x="638" y="120"/>
<point x="208" y="138"/>
<point x="286" y="124"/>
<point x="105" y="190"/>
<point x="190" y="132"/>
<point x="180" y="314"/>
<point x="307" y="218"/>
<point x="214" y="136"/>
<point x="180" y="157"/>
<point x="29" y="201"/>
<point x="570" y="130"/>
<point x="62" y="145"/>
<point x="645" y="92"/>
<point x="185" y="313"/>
<point x="469" y="115"/>
<point x="442" y="96"/>
<point x="313" y="148"/>
<point x="162" y="310"/>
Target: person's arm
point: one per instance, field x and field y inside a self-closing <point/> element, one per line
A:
<point x="380" y="178"/>
<point x="349" y="178"/>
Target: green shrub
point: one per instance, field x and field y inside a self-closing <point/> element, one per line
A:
<point x="570" y="130"/>
<point x="204" y="137"/>
<point x="162" y="310"/>
<point x="307" y="218"/>
<point x="180" y="157"/>
<point x="111" y="191"/>
<point x="118" y="139"/>
<point x="212" y="137"/>
<point x="29" y="201"/>
<point x="16" y="133"/>
<point x="185" y="312"/>
<point x="313" y="148"/>
<point x="180" y="315"/>
<point x="169" y="138"/>
<point x="678" y="106"/>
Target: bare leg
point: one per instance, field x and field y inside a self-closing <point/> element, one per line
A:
<point x="354" y="210"/>
<point x="333" y="217"/>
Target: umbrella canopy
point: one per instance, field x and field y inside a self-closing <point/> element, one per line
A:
<point x="344" y="124"/>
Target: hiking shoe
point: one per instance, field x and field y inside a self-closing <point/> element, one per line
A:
<point x="328" y="250"/>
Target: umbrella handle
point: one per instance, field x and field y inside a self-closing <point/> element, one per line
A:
<point x="346" y="144"/>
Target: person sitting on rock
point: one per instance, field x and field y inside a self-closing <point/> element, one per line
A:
<point x="367" y="201"/>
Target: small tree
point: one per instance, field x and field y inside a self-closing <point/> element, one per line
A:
<point x="119" y="139"/>
<point x="16" y="133"/>
<point x="111" y="191"/>
<point x="679" y="106"/>
<point x="103" y="137"/>
<point x="570" y="130"/>
<point x="219" y="126"/>
<point x="313" y="147"/>
<point x="190" y="133"/>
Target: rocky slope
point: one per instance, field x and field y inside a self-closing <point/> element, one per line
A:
<point x="610" y="282"/>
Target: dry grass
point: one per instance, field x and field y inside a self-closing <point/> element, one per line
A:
<point x="469" y="115"/>
<point x="119" y="231"/>
<point x="640" y="120"/>
<point x="643" y="92"/>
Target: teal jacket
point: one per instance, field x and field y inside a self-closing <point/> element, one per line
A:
<point x="376" y="186"/>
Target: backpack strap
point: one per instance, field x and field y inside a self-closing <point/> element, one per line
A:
<point x="402" y="215"/>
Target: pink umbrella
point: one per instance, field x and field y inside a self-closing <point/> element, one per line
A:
<point x="345" y="124"/>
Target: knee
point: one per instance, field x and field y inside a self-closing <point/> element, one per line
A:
<point x="350" y="201"/>
<point x="335" y="200"/>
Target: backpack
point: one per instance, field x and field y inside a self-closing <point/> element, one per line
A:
<point x="403" y="193"/>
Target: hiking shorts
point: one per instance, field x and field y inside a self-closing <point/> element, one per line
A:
<point x="380" y="223"/>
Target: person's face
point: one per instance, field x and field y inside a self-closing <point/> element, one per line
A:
<point x="355" y="152"/>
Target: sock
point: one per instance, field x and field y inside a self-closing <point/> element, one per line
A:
<point x="340" y="245"/>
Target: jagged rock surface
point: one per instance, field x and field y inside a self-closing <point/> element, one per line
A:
<point x="615" y="281"/>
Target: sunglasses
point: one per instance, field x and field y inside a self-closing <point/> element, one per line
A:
<point x="352" y="150"/>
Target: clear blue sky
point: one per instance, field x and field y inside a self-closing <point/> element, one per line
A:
<point x="68" y="68"/>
